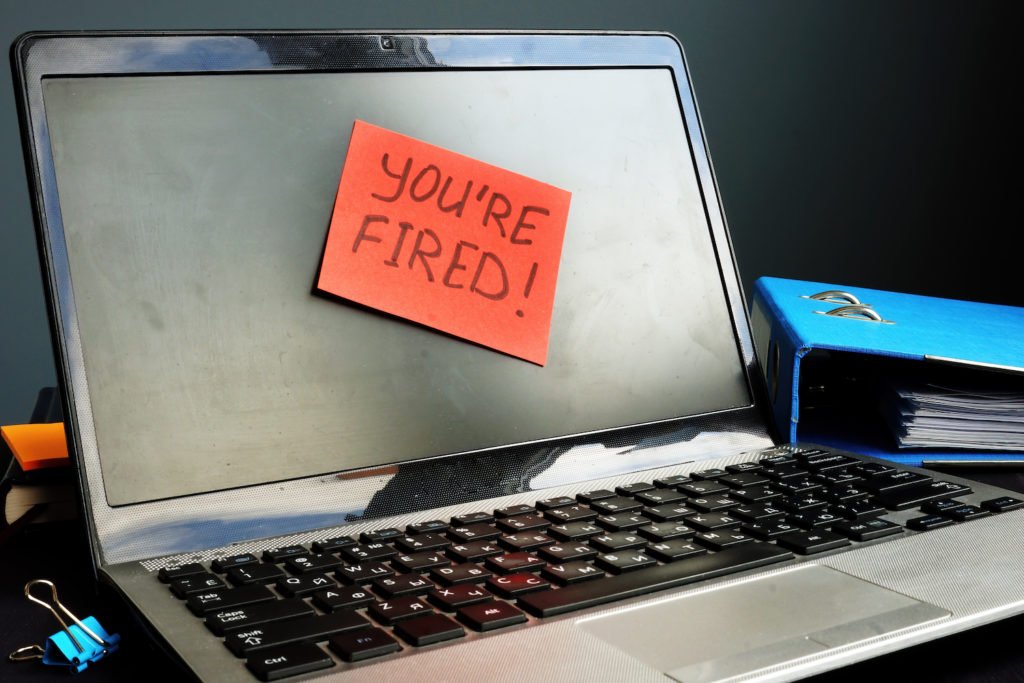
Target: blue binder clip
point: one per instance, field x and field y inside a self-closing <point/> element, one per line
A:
<point x="76" y="645"/>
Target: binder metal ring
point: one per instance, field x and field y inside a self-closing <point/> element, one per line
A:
<point x="836" y="296"/>
<point x="856" y="312"/>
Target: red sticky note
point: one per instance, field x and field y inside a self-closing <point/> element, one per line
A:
<point x="446" y="241"/>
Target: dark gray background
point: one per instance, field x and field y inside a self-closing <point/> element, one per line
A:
<point x="861" y="143"/>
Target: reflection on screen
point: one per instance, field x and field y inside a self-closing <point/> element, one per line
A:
<point x="195" y="210"/>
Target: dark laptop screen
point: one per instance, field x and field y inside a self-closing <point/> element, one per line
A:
<point x="195" y="209"/>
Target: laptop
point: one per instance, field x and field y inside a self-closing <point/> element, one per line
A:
<point x="287" y="483"/>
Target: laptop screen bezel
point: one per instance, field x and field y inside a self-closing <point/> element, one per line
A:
<point x="120" y="533"/>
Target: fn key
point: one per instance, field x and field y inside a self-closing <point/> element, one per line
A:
<point x="289" y="660"/>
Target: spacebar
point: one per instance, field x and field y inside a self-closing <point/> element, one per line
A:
<point x="581" y="595"/>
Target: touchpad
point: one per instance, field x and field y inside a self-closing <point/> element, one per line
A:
<point x="739" y="629"/>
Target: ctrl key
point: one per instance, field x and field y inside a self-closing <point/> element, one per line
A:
<point x="289" y="660"/>
<point x="363" y="644"/>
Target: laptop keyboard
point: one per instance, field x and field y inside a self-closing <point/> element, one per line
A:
<point x="393" y="589"/>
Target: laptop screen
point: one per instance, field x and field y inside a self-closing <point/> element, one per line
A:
<point x="195" y="209"/>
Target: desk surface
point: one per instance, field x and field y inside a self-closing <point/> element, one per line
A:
<point x="59" y="552"/>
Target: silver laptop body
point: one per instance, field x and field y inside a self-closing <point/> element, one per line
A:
<point x="219" y="405"/>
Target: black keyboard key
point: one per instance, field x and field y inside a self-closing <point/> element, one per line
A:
<point x="342" y="597"/>
<point x="363" y="644"/>
<point x="380" y="535"/>
<point x="755" y="494"/>
<point x="567" y="552"/>
<point x="799" y="486"/>
<point x="785" y="473"/>
<point x="366" y="552"/>
<point x="591" y="496"/>
<point x="616" y="505"/>
<point x="225" y="598"/>
<point x="838" y="478"/>
<point x="802" y="503"/>
<point x="574" y="531"/>
<point x="822" y="462"/>
<point x="713" y="503"/>
<point x="297" y="586"/>
<point x="571" y="572"/>
<point x="303" y="564"/>
<point x="195" y="583"/>
<point x="757" y="513"/>
<point x="515" y="525"/>
<point x="722" y="539"/>
<point x="633" y="489"/>
<point x="473" y="532"/>
<point x="279" y="554"/>
<point x="433" y="526"/>
<point x="709" y="521"/>
<point x="301" y="629"/>
<point x="290" y="660"/>
<point x="418" y="562"/>
<point x="776" y="461"/>
<point x="744" y="481"/>
<point x="890" y="481"/>
<point x="846" y="494"/>
<point x="518" y="542"/>
<point x="928" y="522"/>
<point x="625" y="561"/>
<point x="490" y="616"/>
<point x="667" y="513"/>
<point x="406" y="584"/>
<point x="963" y="513"/>
<point x="514" y="511"/>
<point x="450" y="598"/>
<point x="222" y="564"/>
<point x="742" y="467"/>
<point x="472" y="518"/>
<point x="671" y="551"/>
<point x="666" y="531"/>
<point x="511" y="585"/>
<point x="572" y="513"/>
<point x="555" y="503"/>
<point x="177" y="571"/>
<point x="660" y="497"/>
<point x="872" y="469"/>
<point x="1002" y="504"/>
<point x="459" y="574"/>
<point x="769" y="528"/>
<point x="331" y="545"/>
<point x="811" y="542"/>
<point x="260" y="613"/>
<point x="702" y="489"/>
<point x="858" y="509"/>
<point x="940" y="506"/>
<point x="363" y="572"/>
<point x="428" y="629"/>
<point x="868" y="530"/>
<point x="619" y="540"/>
<point x="709" y="474"/>
<point x="672" y="481"/>
<point x="390" y="612"/>
<point x="909" y="497"/>
<point x="255" y="573"/>
<point x="814" y="519"/>
<point x="474" y="551"/>
<point x="421" y="542"/>
<point x="514" y="562"/>
<point x="622" y="522"/>
<point x="659" y="577"/>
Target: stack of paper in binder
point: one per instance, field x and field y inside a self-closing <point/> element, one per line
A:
<point x="912" y="378"/>
<point x="937" y="416"/>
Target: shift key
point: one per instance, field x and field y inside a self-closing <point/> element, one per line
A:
<point x="245" y="640"/>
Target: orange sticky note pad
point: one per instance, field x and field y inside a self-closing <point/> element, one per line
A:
<point x="446" y="241"/>
<point x="36" y="446"/>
